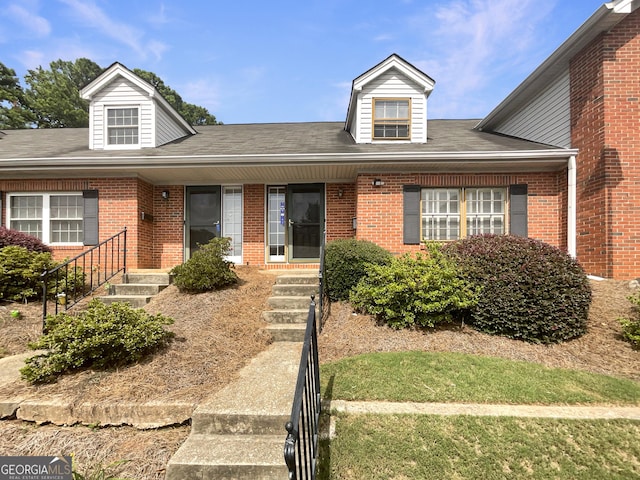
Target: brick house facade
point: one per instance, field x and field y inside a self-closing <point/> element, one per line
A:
<point x="388" y="174"/>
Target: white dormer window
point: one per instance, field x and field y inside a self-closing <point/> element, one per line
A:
<point x="391" y="119"/>
<point x="122" y="126"/>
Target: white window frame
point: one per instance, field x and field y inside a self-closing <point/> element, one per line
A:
<point x="107" y="127"/>
<point x="462" y="215"/>
<point x="390" y="121"/>
<point x="232" y="206"/>
<point x="45" y="216"/>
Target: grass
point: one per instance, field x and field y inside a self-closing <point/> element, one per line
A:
<point x="454" y="377"/>
<point x="403" y="447"/>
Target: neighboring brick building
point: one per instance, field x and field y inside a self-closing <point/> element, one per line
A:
<point x="541" y="164"/>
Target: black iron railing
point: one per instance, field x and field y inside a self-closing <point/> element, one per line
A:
<point x="79" y="277"/>
<point x="301" y="445"/>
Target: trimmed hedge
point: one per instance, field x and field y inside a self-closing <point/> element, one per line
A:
<point x="530" y="290"/>
<point x="631" y="326"/>
<point x="345" y="264"/>
<point x="10" y="237"/>
<point x="207" y="268"/>
<point x="415" y="290"/>
<point x="20" y="271"/>
<point x="102" y="336"/>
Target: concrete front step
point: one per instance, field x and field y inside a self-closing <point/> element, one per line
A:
<point x="146" y="278"/>
<point x="137" y="289"/>
<point x="298" y="278"/>
<point x="286" y="316"/>
<point x="289" y="302"/>
<point x="294" y="289"/>
<point x="136" y="301"/>
<point x="289" y="332"/>
<point x="239" y="432"/>
<point x="250" y="457"/>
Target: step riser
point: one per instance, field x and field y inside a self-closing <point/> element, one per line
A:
<point x="154" y="278"/>
<point x="285" y="316"/>
<point x="297" y="280"/>
<point x="137" y="289"/>
<point x="289" y="303"/>
<point x="283" y="335"/>
<point x="222" y="424"/>
<point x="134" y="302"/>
<point x="295" y="290"/>
<point x="227" y="472"/>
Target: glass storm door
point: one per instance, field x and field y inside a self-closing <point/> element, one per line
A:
<point x="305" y="207"/>
<point x="203" y="216"/>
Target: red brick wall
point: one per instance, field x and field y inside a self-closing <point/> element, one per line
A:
<point x="605" y="121"/>
<point x="253" y="228"/>
<point x="341" y="208"/>
<point x="380" y="209"/>
<point x="168" y="225"/>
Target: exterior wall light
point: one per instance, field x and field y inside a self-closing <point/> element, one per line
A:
<point x="165" y="194"/>
<point x="377" y="182"/>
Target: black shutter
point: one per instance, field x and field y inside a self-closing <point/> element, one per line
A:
<point x="90" y="198"/>
<point x="518" y="210"/>
<point x="411" y="216"/>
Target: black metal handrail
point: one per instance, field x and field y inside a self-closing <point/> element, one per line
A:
<point x="301" y="445"/>
<point x="82" y="275"/>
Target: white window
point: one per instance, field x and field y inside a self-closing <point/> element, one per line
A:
<point x="391" y="119"/>
<point x="453" y="213"/>
<point x="53" y="218"/>
<point x="232" y="221"/>
<point x="122" y="126"/>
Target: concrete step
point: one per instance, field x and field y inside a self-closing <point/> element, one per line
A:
<point x="136" y="301"/>
<point x="289" y="302"/>
<point x="287" y="332"/>
<point x="137" y="289"/>
<point x="155" y="278"/>
<point x="298" y="278"/>
<point x="226" y="457"/>
<point x="259" y="401"/>
<point x="294" y="289"/>
<point x="286" y="316"/>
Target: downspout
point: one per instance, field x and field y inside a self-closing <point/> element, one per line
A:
<point x="571" y="206"/>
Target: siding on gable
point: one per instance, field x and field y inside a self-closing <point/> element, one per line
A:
<point x="547" y="119"/>
<point x="121" y="93"/>
<point x="166" y="129"/>
<point x="391" y="85"/>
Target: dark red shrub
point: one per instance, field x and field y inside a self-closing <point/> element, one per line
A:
<point x="14" y="237"/>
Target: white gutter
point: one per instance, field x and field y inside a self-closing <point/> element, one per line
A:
<point x="571" y="206"/>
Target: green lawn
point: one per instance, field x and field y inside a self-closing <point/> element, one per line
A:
<point x="454" y="377"/>
<point x="403" y="447"/>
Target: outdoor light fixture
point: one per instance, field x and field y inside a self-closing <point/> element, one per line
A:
<point x="354" y="223"/>
<point x="377" y="182"/>
<point x="340" y="193"/>
<point x="165" y="194"/>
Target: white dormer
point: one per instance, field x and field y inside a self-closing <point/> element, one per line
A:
<point x="389" y="103"/>
<point x="126" y="112"/>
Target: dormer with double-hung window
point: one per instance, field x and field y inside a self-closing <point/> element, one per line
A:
<point x="126" y="112"/>
<point x="389" y="103"/>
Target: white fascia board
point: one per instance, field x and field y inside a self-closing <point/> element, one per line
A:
<point x="623" y="6"/>
<point x="395" y="62"/>
<point x="109" y="75"/>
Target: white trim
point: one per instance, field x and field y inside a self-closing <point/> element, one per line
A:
<point x="105" y="122"/>
<point x="571" y="206"/>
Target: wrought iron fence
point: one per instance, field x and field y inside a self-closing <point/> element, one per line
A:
<point x="82" y="275"/>
<point x="301" y="445"/>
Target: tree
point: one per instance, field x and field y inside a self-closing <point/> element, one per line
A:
<point x="193" y="114"/>
<point x="13" y="111"/>
<point x="53" y="95"/>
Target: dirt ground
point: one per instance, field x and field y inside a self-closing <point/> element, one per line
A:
<point x="218" y="332"/>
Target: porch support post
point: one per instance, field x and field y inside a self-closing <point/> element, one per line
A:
<point x="571" y="206"/>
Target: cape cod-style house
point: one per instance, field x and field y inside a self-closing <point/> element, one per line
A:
<point x="557" y="160"/>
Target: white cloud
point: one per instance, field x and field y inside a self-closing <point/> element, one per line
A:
<point x="93" y="16"/>
<point x="202" y="91"/>
<point x="33" y="23"/>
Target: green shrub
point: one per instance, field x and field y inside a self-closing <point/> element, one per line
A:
<point x="207" y="268"/>
<point x="102" y="336"/>
<point x="421" y="290"/>
<point x="345" y="262"/>
<point x="530" y="290"/>
<point x="20" y="271"/>
<point x="10" y="237"/>
<point x="631" y="326"/>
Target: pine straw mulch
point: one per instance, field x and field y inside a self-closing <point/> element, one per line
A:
<point x="217" y="333"/>
<point x="601" y="350"/>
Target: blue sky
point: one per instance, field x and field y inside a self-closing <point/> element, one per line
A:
<point x="293" y="61"/>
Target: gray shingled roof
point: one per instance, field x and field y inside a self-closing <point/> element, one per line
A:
<point x="282" y="152"/>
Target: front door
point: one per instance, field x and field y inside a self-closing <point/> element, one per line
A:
<point x="202" y="216"/>
<point x="305" y="207"/>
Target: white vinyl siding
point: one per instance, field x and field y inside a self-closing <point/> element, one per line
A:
<point x="166" y="129"/>
<point x="54" y="218"/>
<point x="391" y="84"/>
<point x="546" y="119"/>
